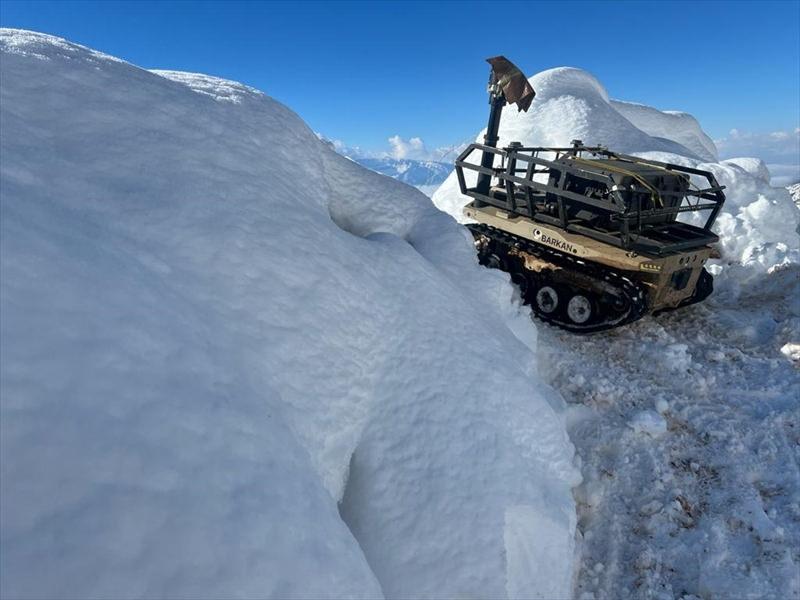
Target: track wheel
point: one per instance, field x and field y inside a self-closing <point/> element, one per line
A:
<point x="493" y="261"/>
<point x="580" y="309"/>
<point x="546" y="300"/>
<point x="519" y="278"/>
<point x="521" y="282"/>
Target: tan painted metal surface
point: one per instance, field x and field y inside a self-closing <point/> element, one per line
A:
<point x="654" y="272"/>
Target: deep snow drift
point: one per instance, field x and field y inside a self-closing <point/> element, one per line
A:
<point x="215" y="329"/>
<point x="687" y="423"/>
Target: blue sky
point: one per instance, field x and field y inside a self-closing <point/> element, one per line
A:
<point x="362" y="72"/>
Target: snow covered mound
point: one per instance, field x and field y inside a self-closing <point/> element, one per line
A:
<point x="680" y="127"/>
<point x="754" y="166"/>
<point x="237" y="364"/>
<point x="758" y="224"/>
<point x="572" y="104"/>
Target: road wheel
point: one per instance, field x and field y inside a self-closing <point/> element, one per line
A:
<point x="580" y="309"/>
<point x="546" y="300"/>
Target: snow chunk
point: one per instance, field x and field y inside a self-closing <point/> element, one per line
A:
<point x="794" y="192"/>
<point x="791" y="351"/>
<point x="648" y="422"/>
<point x="677" y="357"/>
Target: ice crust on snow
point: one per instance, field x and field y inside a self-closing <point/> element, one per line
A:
<point x="759" y="223"/>
<point x="236" y="363"/>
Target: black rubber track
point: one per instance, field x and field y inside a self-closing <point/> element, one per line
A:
<point x="633" y="292"/>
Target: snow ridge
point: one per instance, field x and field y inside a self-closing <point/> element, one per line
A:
<point x="677" y="126"/>
<point x="215" y="329"/>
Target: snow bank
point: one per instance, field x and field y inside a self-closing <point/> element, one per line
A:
<point x="679" y="127"/>
<point x="572" y="104"/>
<point x="753" y="166"/>
<point x="215" y="330"/>
<point x="758" y="224"/>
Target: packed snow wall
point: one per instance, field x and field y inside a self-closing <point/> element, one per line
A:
<point x="758" y="225"/>
<point x="236" y="364"/>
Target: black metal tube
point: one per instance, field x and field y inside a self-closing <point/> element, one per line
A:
<point x="496" y="102"/>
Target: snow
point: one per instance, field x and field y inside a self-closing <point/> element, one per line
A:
<point x="753" y="166"/>
<point x="570" y="104"/>
<point x="648" y="422"/>
<point x="677" y="126"/>
<point x="237" y="364"/>
<point x="699" y="497"/>
<point x="686" y="424"/>
<point x="791" y="351"/>
<point x="794" y="190"/>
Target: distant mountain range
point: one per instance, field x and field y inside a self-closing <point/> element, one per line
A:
<point x="425" y="175"/>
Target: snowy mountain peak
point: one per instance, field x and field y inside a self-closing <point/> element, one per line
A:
<point x="590" y="95"/>
<point x="561" y="81"/>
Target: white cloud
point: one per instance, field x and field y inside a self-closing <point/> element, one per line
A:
<point x="780" y="150"/>
<point x="413" y="148"/>
<point x="775" y="146"/>
<point x="399" y="149"/>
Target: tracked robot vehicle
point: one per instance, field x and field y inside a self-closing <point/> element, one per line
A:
<point x="591" y="237"/>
